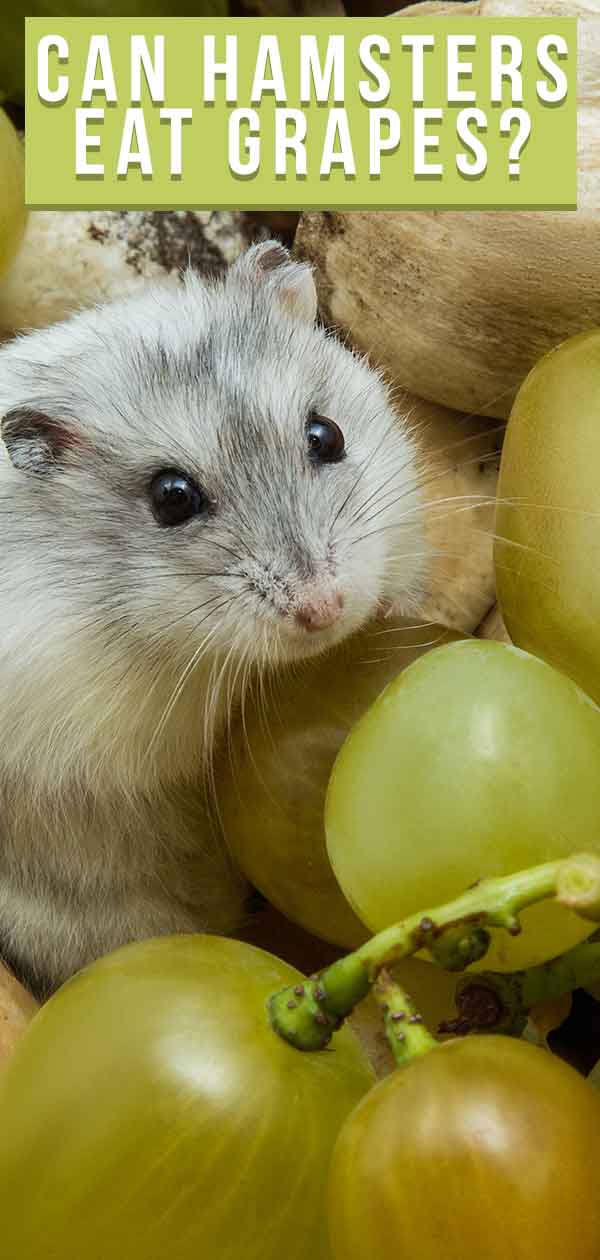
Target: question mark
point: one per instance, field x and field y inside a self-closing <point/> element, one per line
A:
<point x="521" y="117"/>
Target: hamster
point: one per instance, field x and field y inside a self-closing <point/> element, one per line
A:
<point x="197" y="485"/>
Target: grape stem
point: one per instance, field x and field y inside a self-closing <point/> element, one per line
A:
<point x="496" y="1002"/>
<point x="406" y="1031"/>
<point x="308" y="1014"/>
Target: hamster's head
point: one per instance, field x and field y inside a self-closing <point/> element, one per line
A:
<point x="209" y="472"/>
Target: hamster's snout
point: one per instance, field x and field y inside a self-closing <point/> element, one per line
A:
<point x="320" y="614"/>
<point x="304" y="596"/>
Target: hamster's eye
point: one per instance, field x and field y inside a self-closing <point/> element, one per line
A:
<point x="325" y="440"/>
<point x="175" y="498"/>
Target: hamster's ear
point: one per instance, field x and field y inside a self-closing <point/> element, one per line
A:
<point x="289" y="282"/>
<point x="36" y="442"/>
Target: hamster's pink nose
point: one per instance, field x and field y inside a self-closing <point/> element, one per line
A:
<point x="320" y="614"/>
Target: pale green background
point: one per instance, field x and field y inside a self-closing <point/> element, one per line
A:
<point x="548" y="163"/>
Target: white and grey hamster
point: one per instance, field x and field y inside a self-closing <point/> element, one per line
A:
<point x="195" y="486"/>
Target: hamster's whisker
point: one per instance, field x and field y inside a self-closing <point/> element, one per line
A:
<point x="486" y="457"/>
<point x="434" y="552"/>
<point x="189" y="612"/>
<point x="391" y="476"/>
<point x="400" y="647"/>
<point x="462" y="610"/>
<point x="267" y="698"/>
<point x="422" y="428"/>
<point x="239" y="682"/>
<point x="532" y="577"/>
<point x="511" y="542"/>
<point x="190" y="573"/>
<point x="477" y="501"/>
<point x="477" y="414"/>
<point x="483" y="457"/>
<point x="362" y="470"/>
<point x="223" y="547"/>
<point x="161" y="663"/>
<point x="416" y="486"/>
<point x="431" y="466"/>
<point x="210" y="766"/>
<point x="217" y="678"/>
<point x="397" y="391"/>
<point x="428" y="469"/>
<point x="469" y="502"/>
<point x="523" y="504"/>
<point x="407" y="629"/>
<point x="192" y="664"/>
<point x="449" y="553"/>
<point x="482" y="435"/>
<point x="248" y="674"/>
<point x="246" y="551"/>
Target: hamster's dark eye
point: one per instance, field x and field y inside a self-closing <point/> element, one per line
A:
<point x="325" y="440"/>
<point x="175" y="498"/>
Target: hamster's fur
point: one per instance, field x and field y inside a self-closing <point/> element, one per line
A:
<point x="124" y="645"/>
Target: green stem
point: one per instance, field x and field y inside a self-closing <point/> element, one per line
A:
<point x="308" y="1015"/>
<point x="496" y="1002"/>
<point x="406" y="1031"/>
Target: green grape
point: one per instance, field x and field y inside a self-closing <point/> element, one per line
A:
<point x="478" y="760"/>
<point x="484" y="1147"/>
<point x="12" y="44"/>
<point x="548" y="527"/>
<point x="151" y="1113"/>
<point x="12" y="199"/>
<point x="272" y="782"/>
